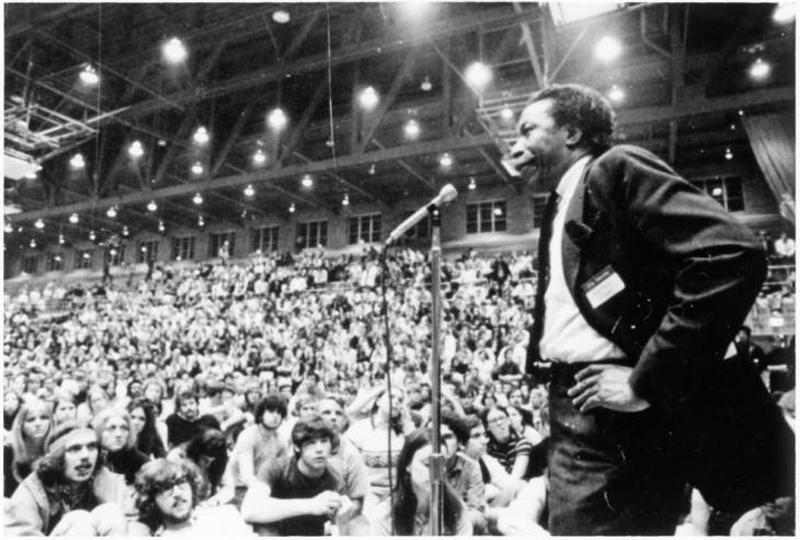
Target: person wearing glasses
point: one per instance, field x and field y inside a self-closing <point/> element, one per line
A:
<point x="167" y="496"/>
<point x="506" y="445"/>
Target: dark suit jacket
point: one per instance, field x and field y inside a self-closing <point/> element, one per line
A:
<point x="691" y="273"/>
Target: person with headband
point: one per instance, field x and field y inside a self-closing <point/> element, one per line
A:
<point x="70" y="492"/>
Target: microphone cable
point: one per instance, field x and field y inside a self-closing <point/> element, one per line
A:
<point x="387" y="339"/>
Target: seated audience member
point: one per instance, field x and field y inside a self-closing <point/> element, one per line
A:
<point x="143" y="428"/>
<point x="209" y="452"/>
<point x="303" y="405"/>
<point x="298" y="495"/>
<point x="462" y="472"/>
<point x="409" y="515"/>
<point x="168" y="495"/>
<point x="97" y="400"/>
<point x="500" y="487"/>
<point x="505" y="444"/>
<point x="186" y="421"/>
<point x="117" y="444"/>
<point x="258" y="444"/>
<point x="27" y="443"/>
<point x="348" y="465"/>
<point x="69" y="493"/>
<point x="521" y="421"/>
<point x="64" y="407"/>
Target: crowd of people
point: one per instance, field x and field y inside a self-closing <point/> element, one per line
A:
<point x="258" y="398"/>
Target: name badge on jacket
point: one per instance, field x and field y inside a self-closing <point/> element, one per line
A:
<point x="602" y="286"/>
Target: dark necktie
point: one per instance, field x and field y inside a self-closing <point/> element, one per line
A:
<point x="544" y="273"/>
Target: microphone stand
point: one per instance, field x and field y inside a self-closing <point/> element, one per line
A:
<point x="436" y="459"/>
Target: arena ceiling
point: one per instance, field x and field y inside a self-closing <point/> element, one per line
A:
<point x="683" y="69"/>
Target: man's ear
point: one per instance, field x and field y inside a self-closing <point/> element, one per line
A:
<point x="574" y="136"/>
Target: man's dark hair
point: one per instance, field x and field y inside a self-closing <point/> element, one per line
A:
<point x="583" y="108"/>
<point x="186" y="395"/>
<point x="161" y="474"/>
<point x="312" y="428"/>
<point x="271" y="402"/>
<point x="458" y="425"/>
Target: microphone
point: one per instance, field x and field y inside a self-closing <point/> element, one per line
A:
<point x="447" y="194"/>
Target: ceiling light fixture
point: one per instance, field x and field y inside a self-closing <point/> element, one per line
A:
<point x="161" y="227"/>
<point x="760" y="69"/>
<point x="197" y="199"/>
<point x="478" y="75"/>
<point x="201" y="221"/>
<point x="411" y="129"/>
<point x="307" y="181"/>
<point x="135" y="150"/>
<point x="607" y="49"/>
<point x="9" y="228"/>
<point x="291" y="208"/>
<point x="426" y="85"/>
<point x="112" y="212"/>
<point x="277" y="119"/>
<point x="73" y="218"/>
<point x="249" y="191"/>
<point x="446" y="160"/>
<point x="368" y="98"/>
<point x="89" y="76"/>
<point x="125" y="231"/>
<point x="39" y="224"/>
<point x="175" y="51"/>
<point x="61" y="239"/>
<point x="201" y="135"/>
<point x="506" y="113"/>
<point x="259" y="157"/>
<point x="197" y="168"/>
<point x="728" y="154"/>
<point x="281" y="16"/>
<point x="152" y="206"/>
<point x="616" y="94"/>
<point x="472" y="184"/>
<point x="92" y="235"/>
<point x="77" y="161"/>
<point x="33" y="243"/>
<point x="784" y="13"/>
<point x="346" y="200"/>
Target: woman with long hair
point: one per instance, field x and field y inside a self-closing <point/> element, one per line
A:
<point x="505" y="444"/>
<point x="409" y="513"/>
<point x="97" y="400"/>
<point x="29" y="433"/>
<point x="143" y="427"/>
<point x="117" y="443"/>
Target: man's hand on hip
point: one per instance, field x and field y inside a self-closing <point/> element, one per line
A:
<point x="605" y="385"/>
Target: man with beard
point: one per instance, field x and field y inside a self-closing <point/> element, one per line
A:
<point x="69" y="493"/>
<point x="186" y="422"/>
<point x="167" y="493"/>
<point x="298" y="495"/>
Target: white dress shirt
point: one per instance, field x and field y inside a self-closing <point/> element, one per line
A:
<point x="566" y="336"/>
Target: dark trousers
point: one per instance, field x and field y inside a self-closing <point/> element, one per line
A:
<point x="609" y="473"/>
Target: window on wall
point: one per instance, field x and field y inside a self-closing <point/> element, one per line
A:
<point x="539" y="202"/>
<point x="312" y="234"/>
<point x="55" y="262"/>
<point x="183" y="248"/>
<point x="116" y="255"/>
<point x="364" y="229"/>
<point x="218" y="240"/>
<point x="29" y="264"/>
<point x="83" y="259"/>
<point x="148" y="251"/>
<point x="265" y="239"/>
<point x="486" y="216"/>
<point x="726" y="191"/>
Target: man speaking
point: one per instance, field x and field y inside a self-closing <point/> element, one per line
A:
<point x="643" y="282"/>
